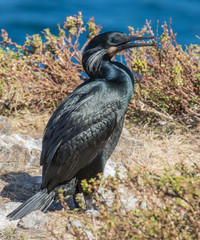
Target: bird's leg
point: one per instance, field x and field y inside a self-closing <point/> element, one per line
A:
<point x="91" y="209"/>
<point x="88" y="202"/>
<point x="75" y="201"/>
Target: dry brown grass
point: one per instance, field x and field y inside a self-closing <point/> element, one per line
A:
<point x="27" y="122"/>
<point x="158" y="151"/>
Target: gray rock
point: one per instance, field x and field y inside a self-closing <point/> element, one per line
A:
<point x="8" y="207"/>
<point x="19" y="151"/>
<point x="4" y="211"/>
<point x="126" y="132"/>
<point x="19" y="187"/>
<point x="111" y="169"/>
<point x="128" y="201"/>
<point x="34" y="220"/>
<point x="92" y="213"/>
<point x="89" y="235"/>
<point x="74" y="223"/>
<point x="77" y="224"/>
<point x="107" y="195"/>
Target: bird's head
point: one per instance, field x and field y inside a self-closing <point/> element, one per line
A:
<point x="105" y="46"/>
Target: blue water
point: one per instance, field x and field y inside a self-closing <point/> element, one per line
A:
<point x="22" y="17"/>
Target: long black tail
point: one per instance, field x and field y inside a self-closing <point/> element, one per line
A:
<point x="40" y="201"/>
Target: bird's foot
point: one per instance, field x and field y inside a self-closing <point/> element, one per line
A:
<point x="88" y="203"/>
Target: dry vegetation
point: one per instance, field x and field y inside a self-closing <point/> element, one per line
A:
<point x="170" y="85"/>
<point x="161" y="153"/>
<point x="40" y="74"/>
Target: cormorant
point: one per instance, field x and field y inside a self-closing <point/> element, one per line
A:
<point x="85" y="128"/>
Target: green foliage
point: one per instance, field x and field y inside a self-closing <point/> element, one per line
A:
<point x="10" y="235"/>
<point x="167" y="208"/>
<point x="91" y="185"/>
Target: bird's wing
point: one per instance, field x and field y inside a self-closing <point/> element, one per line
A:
<point x="62" y="118"/>
<point x="76" y="132"/>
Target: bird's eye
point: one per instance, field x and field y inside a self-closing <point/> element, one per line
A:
<point x="114" y="40"/>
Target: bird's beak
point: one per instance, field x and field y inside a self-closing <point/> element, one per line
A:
<point x="126" y="44"/>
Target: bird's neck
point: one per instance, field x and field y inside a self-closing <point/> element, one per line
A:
<point x="115" y="71"/>
<point x="119" y="76"/>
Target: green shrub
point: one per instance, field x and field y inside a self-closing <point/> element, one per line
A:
<point x="167" y="207"/>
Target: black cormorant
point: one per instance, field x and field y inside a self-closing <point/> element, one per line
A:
<point x="85" y="128"/>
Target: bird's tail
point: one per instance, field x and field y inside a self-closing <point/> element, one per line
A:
<point x="40" y="201"/>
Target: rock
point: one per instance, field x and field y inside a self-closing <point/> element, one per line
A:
<point x="4" y="211"/>
<point x="89" y="235"/>
<point x="19" y="151"/>
<point x="74" y="223"/>
<point x="5" y="125"/>
<point x="107" y="196"/>
<point x="128" y="201"/>
<point x="8" y="208"/>
<point x="36" y="219"/>
<point x="111" y="169"/>
<point x="126" y="132"/>
<point x="77" y="224"/>
<point x="92" y="213"/>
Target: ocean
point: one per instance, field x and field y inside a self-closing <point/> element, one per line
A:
<point x="22" y="17"/>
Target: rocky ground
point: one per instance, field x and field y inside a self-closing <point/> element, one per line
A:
<point x="20" y="172"/>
